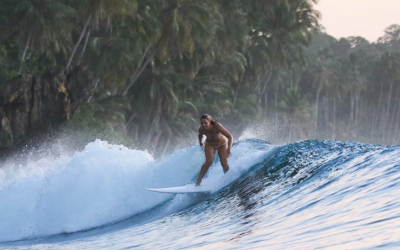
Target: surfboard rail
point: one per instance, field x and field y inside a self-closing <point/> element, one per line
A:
<point x="181" y="189"/>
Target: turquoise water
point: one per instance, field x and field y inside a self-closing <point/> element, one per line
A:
<point x="304" y="195"/>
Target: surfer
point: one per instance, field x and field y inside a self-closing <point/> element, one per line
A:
<point x="218" y="139"/>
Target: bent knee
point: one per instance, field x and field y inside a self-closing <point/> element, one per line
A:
<point x="224" y="162"/>
<point x="208" y="163"/>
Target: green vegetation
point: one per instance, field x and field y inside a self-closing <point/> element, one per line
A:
<point x="356" y="86"/>
<point x="99" y="120"/>
<point x="159" y="64"/>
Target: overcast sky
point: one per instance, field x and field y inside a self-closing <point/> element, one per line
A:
<point x="366" y="18"/>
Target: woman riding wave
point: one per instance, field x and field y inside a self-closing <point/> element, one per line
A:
<point x="218" y="139"/>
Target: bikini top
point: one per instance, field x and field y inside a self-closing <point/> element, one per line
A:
<point x="217" y="136"/>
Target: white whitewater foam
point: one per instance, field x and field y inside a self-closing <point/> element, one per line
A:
<point x="102" y="184"/>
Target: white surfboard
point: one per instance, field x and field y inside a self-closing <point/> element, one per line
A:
<point x="182" y="189"/>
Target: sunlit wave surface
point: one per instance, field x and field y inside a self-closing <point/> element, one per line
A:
<point x="304" y="195"/>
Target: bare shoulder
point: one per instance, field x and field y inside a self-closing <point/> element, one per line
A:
<point x="219" y="126"/>
<point x="223" y="130"/>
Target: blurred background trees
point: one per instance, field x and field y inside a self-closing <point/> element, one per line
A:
<point x="158" y="64"/>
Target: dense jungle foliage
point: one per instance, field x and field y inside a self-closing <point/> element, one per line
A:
<point x="261" y="65"/>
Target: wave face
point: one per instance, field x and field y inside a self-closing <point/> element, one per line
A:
<point x="304" y="195"/>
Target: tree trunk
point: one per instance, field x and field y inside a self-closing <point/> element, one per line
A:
<point x="334" y="117"/>
<point x="388" y="105"/>
<point x="396" y="128"/>
<point x="326" y="112"/>
<point x="24" y="54"/>
<point x="351" y="117"/>
<point x="375" y="114"/>
<point x="237" y="90"/>
<point x="356" y="108"/>
<point x="84" y="47"/>
<point x="393" y="116"/>
<point x="316" y="109"/>
<point x="79" y="41"/>
<point x="143" y="64"/>
<point x="130" y="119"/>
<point x="379" y="111"/>
<point x="264" y="87"/>
<point x="373" y="119"/>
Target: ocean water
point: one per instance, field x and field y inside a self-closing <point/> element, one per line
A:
<point x="304" y="195"/>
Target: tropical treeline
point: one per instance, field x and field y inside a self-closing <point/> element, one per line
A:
<point x="156" y="65"/>
<point x="353" y="87"/>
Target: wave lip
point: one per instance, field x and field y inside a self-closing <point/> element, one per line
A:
<point x="304" y="195"/>
<point x="100" y="185"/>
<point x="104" y="184"/>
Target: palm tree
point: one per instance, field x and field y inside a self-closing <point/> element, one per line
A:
<point x="355" y="83"/>
<point x="155" y="107"/>
<point x="391" y="37"/>
<point x="390" y="75"/>
<point x="278" y="32"/>
<point x="45" y="26"/>
<point x="96" y="13"/>
<point x="185" y="24"/>
<point x="321" y="75"/>
<point x="297" y="109"/>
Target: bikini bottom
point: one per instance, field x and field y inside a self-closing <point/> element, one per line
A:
<point x="216" y="144"/>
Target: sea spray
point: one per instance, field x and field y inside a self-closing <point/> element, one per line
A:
<point x="102" y="184"/>
<point x="304" y="195"/>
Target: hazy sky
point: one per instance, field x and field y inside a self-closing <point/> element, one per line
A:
<point x="366" y="18"/>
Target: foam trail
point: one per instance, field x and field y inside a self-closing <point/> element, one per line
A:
<point x="102" y="184"/>
<point x="305" y="195"/>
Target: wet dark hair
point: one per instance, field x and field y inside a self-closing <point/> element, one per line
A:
<point x="209" y="118"/>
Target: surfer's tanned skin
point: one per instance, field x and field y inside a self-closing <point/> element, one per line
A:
<point x="218" y="139"/>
